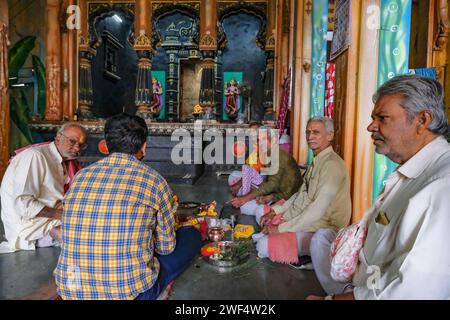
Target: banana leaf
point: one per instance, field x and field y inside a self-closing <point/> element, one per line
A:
<point x="20" y="116"/>
<point x="17" y="138"/>
<point x="18" y="54"/>
<point x="39" y="68"/>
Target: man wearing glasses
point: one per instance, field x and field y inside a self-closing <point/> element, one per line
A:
<point x="33" y="188"/>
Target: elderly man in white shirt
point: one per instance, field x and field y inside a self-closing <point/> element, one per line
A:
<point x="404" y="255"/>
<point x="32" y="191"/>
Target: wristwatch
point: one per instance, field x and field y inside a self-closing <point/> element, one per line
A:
<point x="329" y="297"/>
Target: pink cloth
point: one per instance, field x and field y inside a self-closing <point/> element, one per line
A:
<point x="282" y="247"/>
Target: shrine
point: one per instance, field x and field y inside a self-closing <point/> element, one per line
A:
<point x="204" y="76"/>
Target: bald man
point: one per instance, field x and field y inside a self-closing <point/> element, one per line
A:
<point x="32" y="190"/>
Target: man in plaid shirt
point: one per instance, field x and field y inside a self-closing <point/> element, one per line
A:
<point x="118" y="225"/>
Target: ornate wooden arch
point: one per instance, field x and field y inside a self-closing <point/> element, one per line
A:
<point x="162" y="10"/>
<point x="255" y="9"/>
<point x="99" y="11"/>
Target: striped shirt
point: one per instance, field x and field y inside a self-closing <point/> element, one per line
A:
<point x="117" y="212"/>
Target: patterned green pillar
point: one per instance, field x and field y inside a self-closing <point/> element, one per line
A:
<point x="319" y="56"/>
<point x="392" y="61"/>
<point x="318" y="59"/>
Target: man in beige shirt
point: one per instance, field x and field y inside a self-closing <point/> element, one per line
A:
<point x="322" y="202"/>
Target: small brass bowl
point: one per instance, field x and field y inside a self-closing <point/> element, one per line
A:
<point x="216" y="234"/>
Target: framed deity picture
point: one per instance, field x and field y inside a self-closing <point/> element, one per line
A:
<point x="158" y="86"/>
<point x="232" y="100"/>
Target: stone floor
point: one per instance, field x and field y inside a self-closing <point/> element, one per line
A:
<point x="28" y="275"/>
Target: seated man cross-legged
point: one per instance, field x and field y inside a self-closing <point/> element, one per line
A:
<point x="282" y="184"/>
<point x="33" y="187"/>
<point x="404" y="254"/>
<point x="322" y="203"/>
<point x="118" y="226"/>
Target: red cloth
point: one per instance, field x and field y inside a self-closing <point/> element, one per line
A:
<point x="329" y="91"/>
<point x="203" y="229"/>
<point x="284" y="103"/>
<point x="72" y="166"/>
<point x="282" y="247"/>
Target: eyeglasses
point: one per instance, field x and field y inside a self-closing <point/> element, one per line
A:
<point x="74" y="142"/>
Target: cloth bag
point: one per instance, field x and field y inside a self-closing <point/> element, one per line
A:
<point x="345" y="249"/>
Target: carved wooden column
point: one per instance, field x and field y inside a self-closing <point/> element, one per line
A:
<point x="4" y="87"/>
<point x="270" y="56"/>
<point x="296" y="38"/>
<point x="142" y="45"/>
<point x="302" y="95"/>
<point x="208" y="48"/>
<point x="86" y="54"/>
<point x="53" y="107"/>
<point x="282" y="50"/>
<point x="366" y="84"/>
<point x="440" y="58"/>
<point x="68" y="43"/>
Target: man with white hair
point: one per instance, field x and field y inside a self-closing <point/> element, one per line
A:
<point x="33" y="188"/>
<point x="322" y="202"/>
<point x="404" y="255"/>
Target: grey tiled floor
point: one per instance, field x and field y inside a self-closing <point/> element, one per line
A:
<point x="22" y="273"/>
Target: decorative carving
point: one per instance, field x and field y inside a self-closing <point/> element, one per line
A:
<point x="257" y="9"/>
<point x="308" y="7"/>
<point x="99" y="11"/>
<point x="286" y="17"/>
<point x="52" y="111"/>
<point x="444" y="27"/>
<point x="154" y="128"/>
<point x="4" y="99"/>
<point x="161" y="9"/>
<point x="270" y="44"/>
<point x="306" y="67"/>
<point x="142" y="40"/>
<point x="161" y="5"/>
<point x="208" y="41"/>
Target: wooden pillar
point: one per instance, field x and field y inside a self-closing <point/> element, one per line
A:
<point x="367" y="85"/>
<point x="4" y="87"/>
<point x="351" y="89"/>
<point x="69" y="76"/>
<point x="208" y="48"/>
<point x="53" y="110"/>
<point x="208" y="22"/>
<point x="281" y="49"/>
<point x="85" y="55"/>
<point x="345" y="92"/>
<point x="304" y="91"/>
<point x="269" y="86"/>
<point x="144" y="51"/>
<point x="296" y="40"/>
<point x="440" y="58"/>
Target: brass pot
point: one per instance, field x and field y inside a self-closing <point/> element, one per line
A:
<point x="216" y="234"/>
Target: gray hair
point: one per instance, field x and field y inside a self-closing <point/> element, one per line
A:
<point x="420" y="94"/>
<point x="327" y="122"/>
<point x="70" y="125"/>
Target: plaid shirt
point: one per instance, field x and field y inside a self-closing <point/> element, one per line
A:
<point x="117" y="212"/>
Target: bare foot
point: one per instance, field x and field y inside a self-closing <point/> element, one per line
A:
<point x="55" y="233"/>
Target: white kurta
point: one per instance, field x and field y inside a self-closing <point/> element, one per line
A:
<point x="411" y="250"/>
<point x="34" y="179"/>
